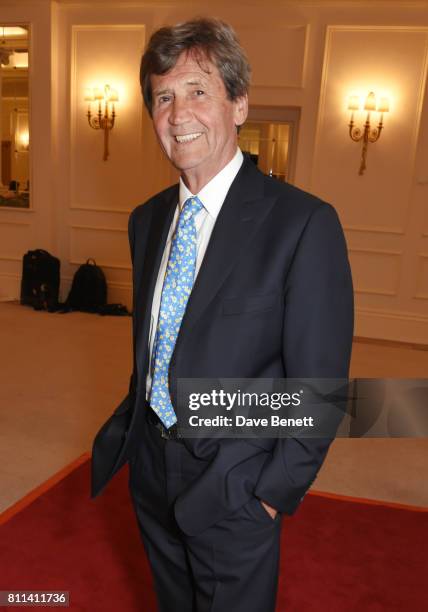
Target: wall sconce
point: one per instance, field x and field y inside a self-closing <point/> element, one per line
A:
<point x="368" y="133"/>
<point x="24" y="141"/>
<point x="105" y="115"/>
<point x="20" y="129"/>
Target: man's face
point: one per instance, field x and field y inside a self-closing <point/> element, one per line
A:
<point x="194" y="120"/>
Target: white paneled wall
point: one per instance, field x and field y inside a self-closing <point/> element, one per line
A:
<point x="21" y="229"/>
<point x="102" y="193"/>
<point x="302" y="56"/>
<point x="378" y="209"/>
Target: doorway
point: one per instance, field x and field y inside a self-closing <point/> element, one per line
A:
<point x="269" y="136"/>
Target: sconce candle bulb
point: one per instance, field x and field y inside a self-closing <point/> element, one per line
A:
<point x="383" y="106"/>
<point x="354" y="103"/>
<point x="370" y="104"/>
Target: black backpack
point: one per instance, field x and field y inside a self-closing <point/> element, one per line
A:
<point x="40" y="280"/>
<point x="88" y="290"/>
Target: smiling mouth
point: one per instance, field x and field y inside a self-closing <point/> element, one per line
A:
<point x="187" y="137"/>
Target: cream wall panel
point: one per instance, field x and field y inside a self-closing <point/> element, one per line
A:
<point x="9" y="286"/>
<point x="108" y="246"/>
<point x="25" y="229"/>
<point x="387" y="60"/>
<point x="424" y="228"/>
<point x="375" y="272"/>
<point x="422" y="278"/>
<point x="15" y="238"/>
<point x="277" y="54"/>
<point x="106" y="54"/>
<point x="373" y="240"/>
<point x="10" y="278"/>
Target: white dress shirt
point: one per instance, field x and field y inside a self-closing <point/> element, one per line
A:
<point x="212" y="197"/>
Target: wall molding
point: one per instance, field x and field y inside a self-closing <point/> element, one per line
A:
<point x="103" y="210"/>
<point x="13" y="209"/>
<point x="10" y="286"/>
<point x="376" y="292"/>
<point x="392" y="314"/>
<point x="98" y="228"/>
<point x="76" y="29"/>
<point x="10" y="258"/>
<point x="374" y="230"/>
<point x="11" y="275"/>
<point x="279" y="31"/>
<point x="77" y="261"/>
<point x="381" y="252"/>
<point x="10" y="222"/>
<point x="330" y="31"/>
<point x="421" y="295"/>
<point x="375" y="251"/>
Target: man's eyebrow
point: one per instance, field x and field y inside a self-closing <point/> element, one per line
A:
<point x="196" y="82"/>
<point x="190" y="82"/>
<point x="161" y="92"/>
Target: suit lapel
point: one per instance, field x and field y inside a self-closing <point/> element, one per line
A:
<point x="240" y="217"/>
<point x="146" y="275"/>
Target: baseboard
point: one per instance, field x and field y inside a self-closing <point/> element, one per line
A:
<point x="10" y="290"/>
<point x="387" y="325"/>
<point x="369" y="323"/>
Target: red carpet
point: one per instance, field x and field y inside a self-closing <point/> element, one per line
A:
<point x="337" y="555"/>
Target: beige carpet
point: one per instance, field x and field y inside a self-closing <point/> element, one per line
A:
<point x="62" y="376"/>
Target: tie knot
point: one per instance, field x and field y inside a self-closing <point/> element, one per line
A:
<point x="191" y="207"/>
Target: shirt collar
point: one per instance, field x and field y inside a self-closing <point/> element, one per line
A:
<point x="214" y="193"/>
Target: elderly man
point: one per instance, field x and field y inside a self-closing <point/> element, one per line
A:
<point x="236" y="275"/>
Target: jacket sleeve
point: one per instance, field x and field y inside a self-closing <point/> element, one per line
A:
<point x="317" y="341"/>
<point x="131" y="237"/>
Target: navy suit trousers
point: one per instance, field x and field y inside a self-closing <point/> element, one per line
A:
<point x="231" y="566"/>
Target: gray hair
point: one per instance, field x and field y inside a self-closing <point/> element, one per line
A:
<point x="205" y="38"/>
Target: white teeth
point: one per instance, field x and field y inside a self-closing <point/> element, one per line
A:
<point x="188" y="137"/>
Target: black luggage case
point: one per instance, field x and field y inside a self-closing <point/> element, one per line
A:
<point x="40" y="280"/>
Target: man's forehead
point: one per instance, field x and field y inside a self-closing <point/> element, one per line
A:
<point x="195" y="57"/>
<point x="189" y="68"/>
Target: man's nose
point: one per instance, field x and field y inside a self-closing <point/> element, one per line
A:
<point x="180" y="112"/>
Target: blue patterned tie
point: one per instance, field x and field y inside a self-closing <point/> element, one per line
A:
<point x="177" y="286"/>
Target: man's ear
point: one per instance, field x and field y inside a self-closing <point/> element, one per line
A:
<point x="241" y="109"/>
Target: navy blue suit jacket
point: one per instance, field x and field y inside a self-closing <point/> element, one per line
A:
<point x="273" y="299"/>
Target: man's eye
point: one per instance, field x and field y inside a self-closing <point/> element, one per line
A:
<point x="164" y="99"/>
<point x="199" y="92"/>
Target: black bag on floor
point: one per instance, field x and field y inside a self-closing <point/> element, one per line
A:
<point x="88" y="290"/>
<point x="40" y="280"/>
<point x="116" y="310"/>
